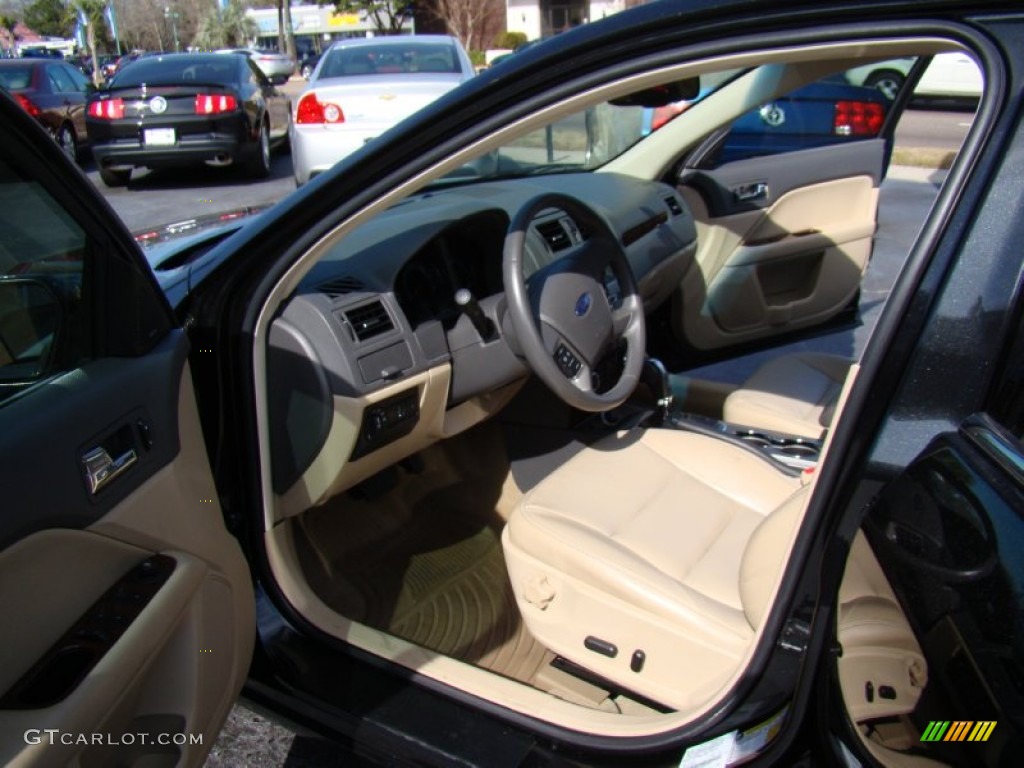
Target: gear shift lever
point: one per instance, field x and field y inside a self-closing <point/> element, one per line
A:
<point x="654" y="375"/>
<point x="470" y="307"/>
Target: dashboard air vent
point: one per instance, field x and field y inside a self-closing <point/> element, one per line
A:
<point x="339" y="286"/>
<point x="368" y="320"/>
<point x="673" y="206"/>
<point x="556" y="236"/>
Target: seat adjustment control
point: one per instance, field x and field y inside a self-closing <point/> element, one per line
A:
<point x="597" y="645"/>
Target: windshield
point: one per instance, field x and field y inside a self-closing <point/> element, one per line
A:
<point x="389" y="57"/>
<point x="172" y="70"/>
<point x="587" y="139"/>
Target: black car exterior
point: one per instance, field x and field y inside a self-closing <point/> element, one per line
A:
<point x="932" y="426"/>
<point x="176" y="109"/>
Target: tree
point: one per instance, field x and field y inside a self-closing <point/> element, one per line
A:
<point x="231" y="28"/>
<point x="472" y="21"/>
<point x="49" y="17"/>
<point x="7" y="24"/>
<point x="285" y="33"/>
<point x="95" y="27"/>
<point x="388" y="17"/>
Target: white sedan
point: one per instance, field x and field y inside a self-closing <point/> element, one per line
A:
<point x="362" y="87"/>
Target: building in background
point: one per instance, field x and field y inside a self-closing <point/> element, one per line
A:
<point x="543" y="18"/>
<point x="315" y="27"/>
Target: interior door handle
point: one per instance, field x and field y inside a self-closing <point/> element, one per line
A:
<point x="101" y="470"/>
<point x="747" y="192"/>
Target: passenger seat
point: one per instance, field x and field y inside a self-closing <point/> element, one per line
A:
<point x="793" y="394"/>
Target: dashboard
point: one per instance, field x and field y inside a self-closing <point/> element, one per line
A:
<point x="372" y="358"/>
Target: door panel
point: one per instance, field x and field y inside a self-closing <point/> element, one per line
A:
<point x="128" y="607"/>
<point x="106" y="642"/>
<point x="783" y="242"/>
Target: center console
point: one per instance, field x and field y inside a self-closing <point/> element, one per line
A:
<point x="790" y="453"/>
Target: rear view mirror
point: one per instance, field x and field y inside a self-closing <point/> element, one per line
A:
<point x="31" y="319"/>
<point x="661" y="95"/>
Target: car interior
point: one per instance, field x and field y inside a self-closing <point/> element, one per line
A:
<point x="485" y="457"/>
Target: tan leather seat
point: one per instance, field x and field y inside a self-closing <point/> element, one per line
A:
<point x="882" y="670"/>
<point x="793" y="394"/>
<point x="662" y="545"/>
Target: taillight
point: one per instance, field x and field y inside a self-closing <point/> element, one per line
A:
<point x="107" y="109"/>
<point x="27" y="104"/>
<point x="663" y="114"/>
<point x="215" y="103"/>
<point x="312" y="110"/>
<point x="858" y="118"/>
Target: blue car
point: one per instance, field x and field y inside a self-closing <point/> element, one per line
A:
<point x="815" y="116"/>
<point x="820" y="114"/>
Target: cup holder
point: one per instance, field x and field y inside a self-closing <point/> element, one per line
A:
<point x="753" y="438"/>
<point x="789" y="453"/>
<point x="799" y="449"/>
<point x="793" y="452"/>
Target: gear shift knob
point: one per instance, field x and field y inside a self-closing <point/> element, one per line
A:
<point x="656" y="377"/>
<point x="470" y="307"/>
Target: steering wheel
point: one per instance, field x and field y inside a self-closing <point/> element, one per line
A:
<point x="561" y="316"/>
<point x="932" y="522"/>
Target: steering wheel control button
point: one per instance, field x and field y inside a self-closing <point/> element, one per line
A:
<point x="597" y="645"/>
<point x="567" y="362"/>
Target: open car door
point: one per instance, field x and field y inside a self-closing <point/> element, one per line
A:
<point x="128" y="617"/>
<point x="786" y="206"/>
<point x="930" y="632"/>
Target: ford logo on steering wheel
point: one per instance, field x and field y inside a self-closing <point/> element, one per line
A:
<point x="583" y="304"/>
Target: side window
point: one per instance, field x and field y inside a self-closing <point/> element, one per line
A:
<point x="839" y="109"/>
<point x="79" y="82"/>
<point x="59" y="79"/>
<point x="43" y="254"/>
<point x="256" y="76"/>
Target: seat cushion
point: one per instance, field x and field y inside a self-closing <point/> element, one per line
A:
<point x="638" y="541"/>
<point x="792" y="394"/>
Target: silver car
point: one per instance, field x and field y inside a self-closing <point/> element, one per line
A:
<point x="360" y="88"/>
<point x="276" y="66"/>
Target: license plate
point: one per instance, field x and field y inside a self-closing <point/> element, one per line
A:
<point x="158" y="136"/>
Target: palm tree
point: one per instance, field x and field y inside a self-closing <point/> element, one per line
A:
<point x="8" y="23"/>
<point x="285" y="34"/>
<point x="230" y="28"/>
<point x="92" y="12"/>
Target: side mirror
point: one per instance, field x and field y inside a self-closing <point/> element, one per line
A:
<point x="32" y="317"/>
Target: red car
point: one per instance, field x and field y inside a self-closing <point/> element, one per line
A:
<point x="53" y="92"/>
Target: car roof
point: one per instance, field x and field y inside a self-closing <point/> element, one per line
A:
<point x="376" y="42"/>
<point x="30" y="61"/>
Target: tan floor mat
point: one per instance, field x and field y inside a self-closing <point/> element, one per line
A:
<point x="424" y="562"/>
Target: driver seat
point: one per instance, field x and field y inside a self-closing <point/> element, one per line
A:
<point x="650" y="559"/>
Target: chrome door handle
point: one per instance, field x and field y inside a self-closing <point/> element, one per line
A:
<point x="747" y="192"/>
<point x="101" y="470"/>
